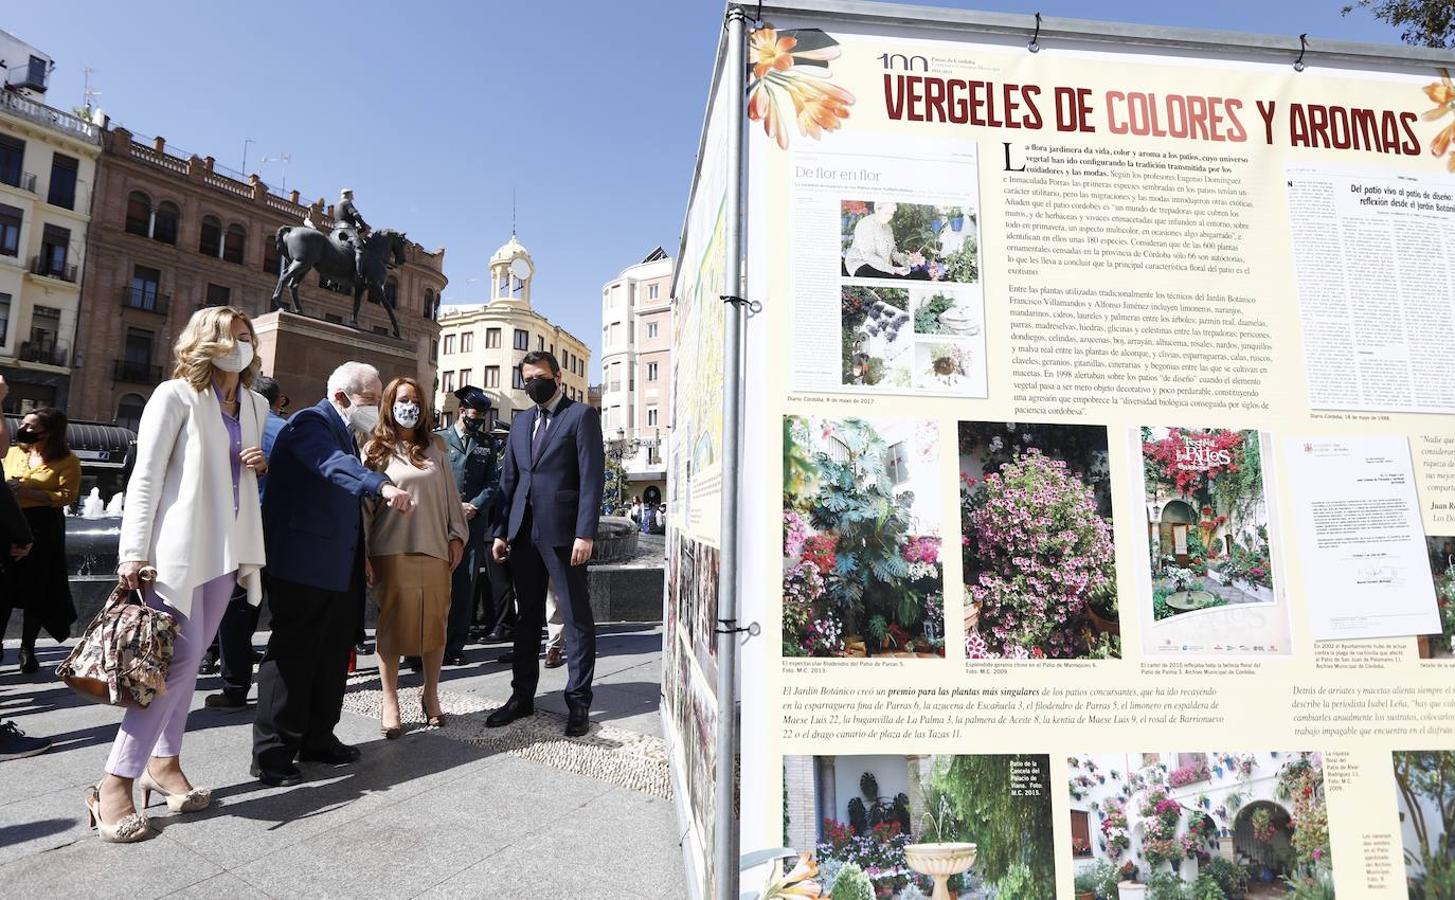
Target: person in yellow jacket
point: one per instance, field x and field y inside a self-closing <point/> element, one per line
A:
<point x="44" y="477"/>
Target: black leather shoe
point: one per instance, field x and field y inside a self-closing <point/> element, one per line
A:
<point x="278" y="777"/>
<point x="498" y="636"/>
<point x="578" y="721"/>
<point x="339" y="754"/>
<point x="225" y="701"/>
<point x="507" y="658"/>
<point x="29" y="665"/>
<point x="513" y="709"/>
<point x="454" y="659"/>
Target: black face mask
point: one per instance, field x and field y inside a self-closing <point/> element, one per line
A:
<point x="27" y="435"/>
<point x="473" y="424"/>
<point x="541" y="389"/>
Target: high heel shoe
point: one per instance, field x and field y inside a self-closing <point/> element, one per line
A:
<point x="130" y="829"/>
<point x="432" y="721"/>
<point x="191" y="801"/>
<point x="390" y="733"/>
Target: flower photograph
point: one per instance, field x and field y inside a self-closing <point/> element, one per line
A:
<point x="906" y="827"/>
<point x="909" y="241"/>
<point x="957" y="368"/>
<point x="1036" y="541"/>
<point x="1207" y="824"/>
<point x="692" y="577"/>
<point x="1207" y="519"/>
<point x="1442" y="567"/>
<point x="877" y="343"/>
<point x="861" y="548"/>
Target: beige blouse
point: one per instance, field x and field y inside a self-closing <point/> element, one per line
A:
<point x="436" y="519"/>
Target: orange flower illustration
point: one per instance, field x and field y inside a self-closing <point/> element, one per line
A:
<point x="791" y="68"/>
<point x="770" y="51"/>
<point x="1442" y="92"/>
<point x="797" y="883"/>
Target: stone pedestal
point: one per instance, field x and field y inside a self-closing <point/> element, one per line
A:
<point x="301" y="353"/>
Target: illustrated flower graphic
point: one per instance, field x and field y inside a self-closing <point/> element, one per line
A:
<point x="1442" y="92"/>
<point x="789" y="74"/>
<point x="771" y="50"/>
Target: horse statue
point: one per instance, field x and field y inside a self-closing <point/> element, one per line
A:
<point x="303" y="249"/>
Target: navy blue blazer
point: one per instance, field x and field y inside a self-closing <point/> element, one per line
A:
<point x="312" y="522"/>
<point x="563" y="488"/>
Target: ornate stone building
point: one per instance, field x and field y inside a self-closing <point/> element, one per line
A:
<point x="174" y="233"/>
<point x="482" y="343"/>
<point x="47" y="170"/>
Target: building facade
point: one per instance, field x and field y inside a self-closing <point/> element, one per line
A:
<point x="636" y="368"/>
<point x="172" y="234"/>
<point x="47" y="172"/>
<point x="482" y="343"/>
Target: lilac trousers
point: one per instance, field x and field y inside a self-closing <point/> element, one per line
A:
<point x="158" y="729"/>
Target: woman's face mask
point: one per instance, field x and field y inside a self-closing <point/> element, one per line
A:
<point x="28" y="436"/>
<point x="406" y="413"/>
<point x="236" y="359"/>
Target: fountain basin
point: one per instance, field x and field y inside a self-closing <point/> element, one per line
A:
<point x="940" y="859"/>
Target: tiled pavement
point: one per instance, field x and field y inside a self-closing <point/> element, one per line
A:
<point x="434" y="814"/>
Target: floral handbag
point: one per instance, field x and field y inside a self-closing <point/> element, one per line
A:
<point x="125" y="653"/>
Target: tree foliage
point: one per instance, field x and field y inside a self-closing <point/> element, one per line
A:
<point x="1003" y="805"/>
<point x="1423" y="23"/>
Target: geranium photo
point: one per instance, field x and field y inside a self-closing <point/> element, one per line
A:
<point x="1207" y="519"/>
<point x="969" y="827"/>
<point x="908" y="241"/>
<point x="877" y="344"/>
<point x="1208" y="824"/>
<point x="1036" y="540"/>
<point x="861" y="544"/>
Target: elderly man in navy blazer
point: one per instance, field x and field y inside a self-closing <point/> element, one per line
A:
<point x="313" y="534"/>
<point x="550" y="485"/>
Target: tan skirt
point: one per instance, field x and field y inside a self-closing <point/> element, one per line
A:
<point x="413" y="593"/>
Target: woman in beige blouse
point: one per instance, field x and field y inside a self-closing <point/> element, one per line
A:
<point x="410" y="557"/>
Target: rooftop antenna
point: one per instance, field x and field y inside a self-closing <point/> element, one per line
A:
<point x="88" y="96"/>
<point x="512" y="210"/>
<point x="283" y="158"/>
<point x="246" y="141"/>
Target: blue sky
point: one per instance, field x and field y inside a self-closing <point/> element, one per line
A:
<point x="435" y="111"/>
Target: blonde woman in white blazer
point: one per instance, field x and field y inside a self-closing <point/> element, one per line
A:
<point x="191" y="515"/>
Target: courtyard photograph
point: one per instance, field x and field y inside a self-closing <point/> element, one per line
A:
<point x="861" y="542"/>
<point x="1205" y="824"/>
<point x="912" y="827"/>
<point x="1207" y="519"/>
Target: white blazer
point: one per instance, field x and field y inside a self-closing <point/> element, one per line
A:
<point x="178" y="513"/>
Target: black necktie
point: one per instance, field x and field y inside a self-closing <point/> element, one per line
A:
<point x="538" y="440"/>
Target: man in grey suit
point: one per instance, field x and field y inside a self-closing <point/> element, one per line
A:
<point x="551" y="484"/>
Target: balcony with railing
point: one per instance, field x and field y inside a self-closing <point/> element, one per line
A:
<point x="133" y="372"/>
<point x="133" y="297"/>
<point x="47" y="353"/>
<point x="73" y="125"/>
<point x="49" y="267"/>
<point x="24" y="180"/>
